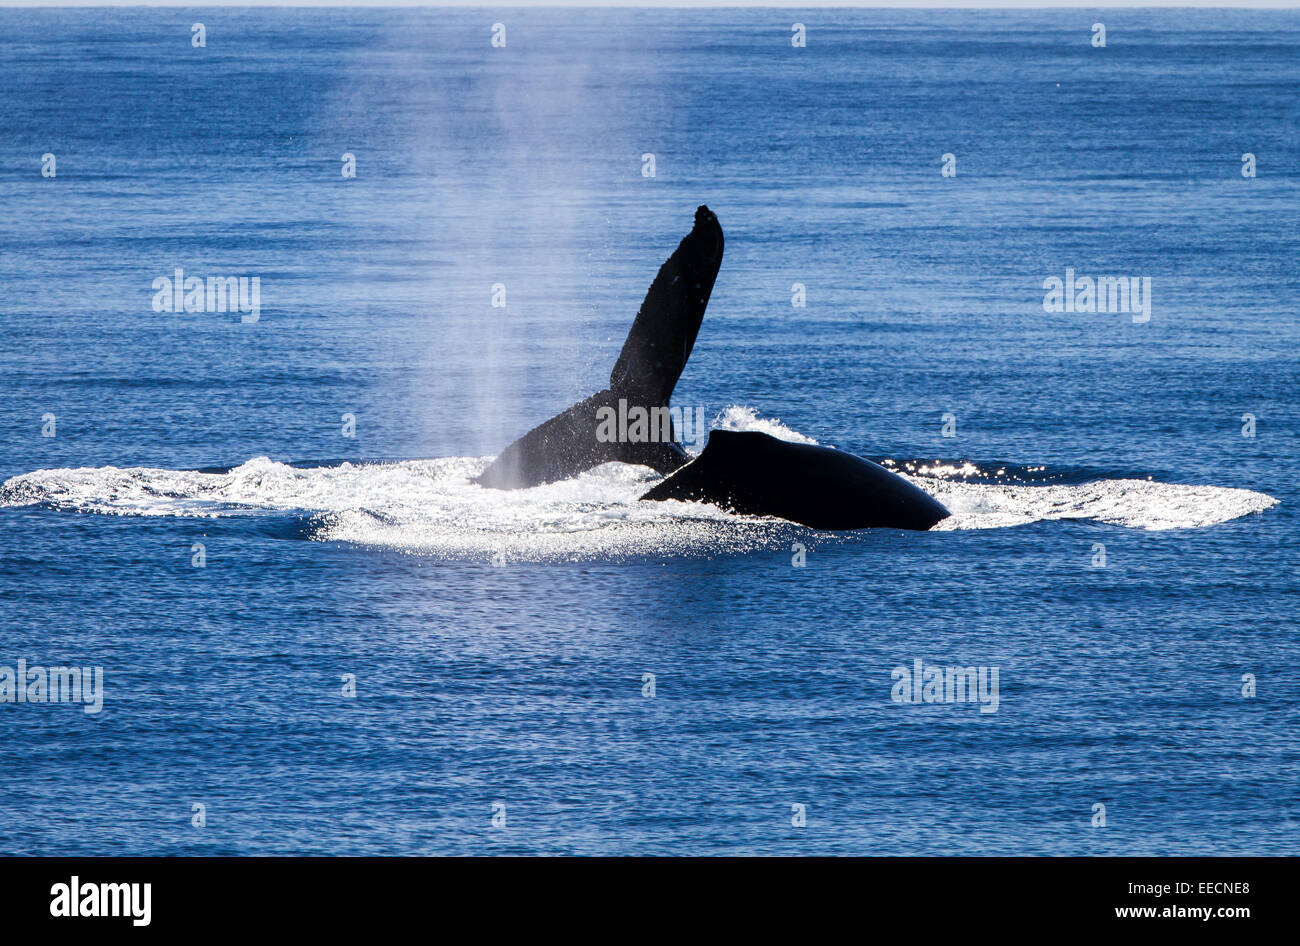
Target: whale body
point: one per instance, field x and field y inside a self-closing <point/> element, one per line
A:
<point x="748" y="473"/>
<point x="752" y="473"/>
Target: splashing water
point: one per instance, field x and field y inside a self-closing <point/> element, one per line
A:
<point x="746" y="418"/>
<point x="433" y="507"/>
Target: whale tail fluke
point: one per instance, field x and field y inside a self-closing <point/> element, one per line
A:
<point x="664" y="331"/>
<point x="652" y="359"/>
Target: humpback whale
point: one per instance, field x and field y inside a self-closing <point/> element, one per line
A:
<point x="644" y="376"/>
<point x="752" y="473"/>
<point x="748" y="473"/>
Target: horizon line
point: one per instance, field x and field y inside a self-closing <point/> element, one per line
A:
<point x="1034" y="5"/>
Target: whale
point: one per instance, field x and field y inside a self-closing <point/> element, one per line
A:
<point x="755" y="474"/>
<point x="644" y="376"/>
<point x="744" y="472"/>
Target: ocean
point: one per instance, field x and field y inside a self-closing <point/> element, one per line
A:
<point x="317" y="636"/>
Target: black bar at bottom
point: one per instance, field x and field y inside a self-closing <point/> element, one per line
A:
<point x="1222" y="896"/>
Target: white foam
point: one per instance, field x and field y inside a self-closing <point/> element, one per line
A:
<point x="1137" y="504"/>
<point x="427" y="506"/>
<point x="432" y="507"/>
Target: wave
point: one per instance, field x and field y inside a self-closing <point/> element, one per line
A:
<point x="432" y="507"/>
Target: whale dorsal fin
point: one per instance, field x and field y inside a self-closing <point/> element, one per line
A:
<point x="664" y="332"/>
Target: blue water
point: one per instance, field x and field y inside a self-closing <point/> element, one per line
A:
<point x="520" y="682"/>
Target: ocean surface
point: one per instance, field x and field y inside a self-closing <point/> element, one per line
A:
<point x="1123" y="547"/>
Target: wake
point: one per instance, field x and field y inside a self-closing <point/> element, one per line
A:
<point x="431" y="507"/>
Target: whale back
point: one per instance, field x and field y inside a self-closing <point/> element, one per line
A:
<point x="754" y="474"/>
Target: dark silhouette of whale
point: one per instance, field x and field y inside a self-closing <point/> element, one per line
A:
<point x="752" y="473"/>
<point x="746" y="472"/>
<point x="644" y="376"/>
